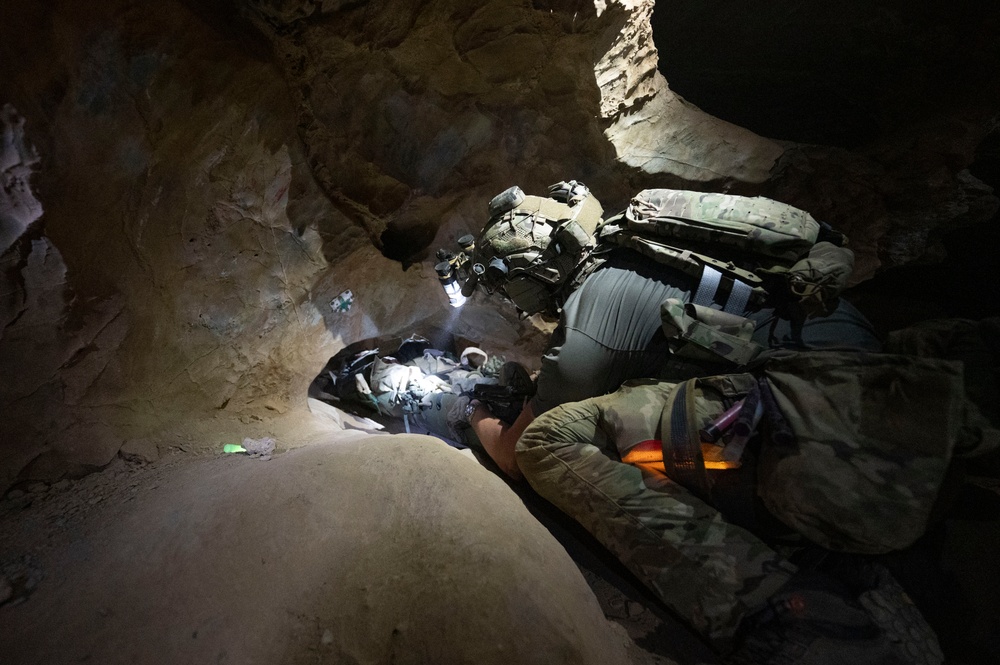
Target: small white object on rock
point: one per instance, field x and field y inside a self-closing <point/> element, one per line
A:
<point x="327" y="638"/>
<point x="261" y="448"/>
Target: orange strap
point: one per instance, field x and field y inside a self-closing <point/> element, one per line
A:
<point x="650" y="453"/>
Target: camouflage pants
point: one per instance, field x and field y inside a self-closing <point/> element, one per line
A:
<point x="708" y="571"/>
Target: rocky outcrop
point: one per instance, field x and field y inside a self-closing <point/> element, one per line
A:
<point x="18" y="205"/>
<point x="189" y="184"/>
<point x="655" y="130"/>
<point x="387" y="549"/>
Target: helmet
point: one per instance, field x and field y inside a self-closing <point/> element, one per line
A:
<point x="532" y="245"/>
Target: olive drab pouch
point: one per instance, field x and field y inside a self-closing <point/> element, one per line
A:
<point x="857" y="445"/>
<point x="708" y="335"/>
<point x="814" y="282"/>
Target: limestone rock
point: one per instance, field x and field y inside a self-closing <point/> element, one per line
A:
<point x="18" y="205"/>
<point x="142" y="450"/>
<point x="183" y="237"/>
<point x="375" y="550"/>
<point x="655" y="130"/>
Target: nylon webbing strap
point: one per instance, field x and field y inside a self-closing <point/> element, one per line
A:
<point x="708" y="289"/>
<point x="739" y="297"/>
<point x="707" y="286"/>
<point x="682" y="459"/>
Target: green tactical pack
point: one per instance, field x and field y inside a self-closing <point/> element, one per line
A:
<point x="744" y="251"/>
<point x="742" y="248"/>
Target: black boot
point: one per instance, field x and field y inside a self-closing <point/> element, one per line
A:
<point x="813" y="620"/>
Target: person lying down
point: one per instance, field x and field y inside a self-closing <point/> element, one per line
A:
<point x="423" y="388"/>
<point x="713" y="491"/>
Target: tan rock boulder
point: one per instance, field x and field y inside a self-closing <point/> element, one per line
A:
<point x="354" y="549"/>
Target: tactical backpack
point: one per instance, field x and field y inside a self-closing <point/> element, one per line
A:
<point x="743" y="251"/>
<point x="741" y="248"/>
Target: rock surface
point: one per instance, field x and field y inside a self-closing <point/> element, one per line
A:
<point x="365" y="550"/>
<point x="189" y="184"/>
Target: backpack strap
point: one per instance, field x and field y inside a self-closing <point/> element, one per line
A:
<point x="682" y="456"/>
<point x="711" y="290"/>
<point x="745" y="287"/>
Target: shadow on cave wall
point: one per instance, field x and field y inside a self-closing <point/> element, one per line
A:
<point x="836" y="74"/>
<point x="966" y="284"/>
<point x="849" y="75"/>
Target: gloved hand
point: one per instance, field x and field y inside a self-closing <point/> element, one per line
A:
<point x="570" y="193"/>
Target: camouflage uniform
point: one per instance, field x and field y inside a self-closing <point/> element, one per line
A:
<point x="854" y="449"/>
<point x="976" y="344"/>
<point x="704" y="568"/>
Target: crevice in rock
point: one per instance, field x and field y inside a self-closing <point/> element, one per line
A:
<point x="406" y="243"/>
<point x="964" y="284"/>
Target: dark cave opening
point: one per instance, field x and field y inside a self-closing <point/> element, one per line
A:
<point x="407" y="243"/>
<point x="849" y="75"/>
<point x="836" y="74"/>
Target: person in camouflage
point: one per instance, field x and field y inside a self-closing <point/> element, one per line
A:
<point x="850" y="455"/>
<point x="611" y="330"/>
<point x="861" y="477"/>
<point x="707" y="570"/>
<point x="717" y="574"/>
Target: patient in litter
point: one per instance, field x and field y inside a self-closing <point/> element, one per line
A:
<point x="423" y="385"/>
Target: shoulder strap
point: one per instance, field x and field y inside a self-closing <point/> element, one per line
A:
<point x="682" y="456"/>
<point x="744" y="287"/>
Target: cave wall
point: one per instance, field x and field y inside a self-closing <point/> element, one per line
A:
<point x="188" y="184"/>
<point x="418" y="112"/>
<point x="169" y="279"/>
